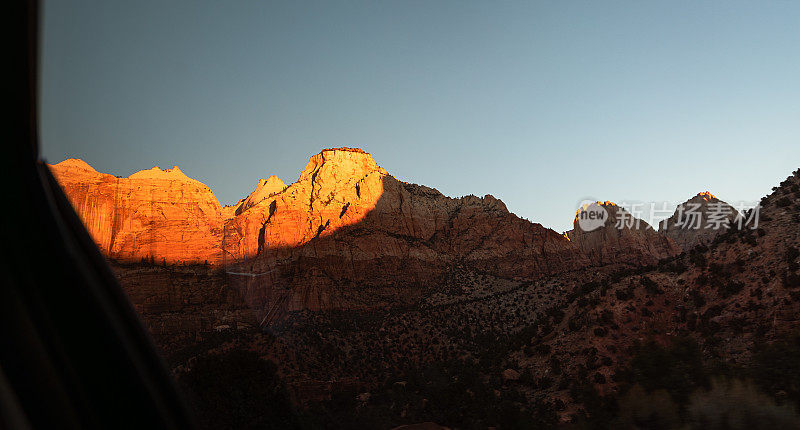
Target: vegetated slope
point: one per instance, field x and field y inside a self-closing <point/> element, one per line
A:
<point x="477" y="344"/>
<point x="732" y="297"/>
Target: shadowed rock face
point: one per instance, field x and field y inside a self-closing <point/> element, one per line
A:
<point x="345" y="225"/>
<point x="621" y="239"/>
<point x="698" y="221"/>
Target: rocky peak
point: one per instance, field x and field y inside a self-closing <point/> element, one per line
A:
<point x="340" y="164"/>
<point x="273" y="183"/>
<point x="703" y="198"/>
<point x="75" y="164"/>
<point x="615" y="236"/>
<point x="613" y="217"/>
<point x="335" y="177"/>
<point x="173" y="174"/>
<point x="698" y="220"/>
<point x="705" y="195"/>
<point x="492" y="201"/>
<point x="605" y="205"/>
<point x="265" y="188"/>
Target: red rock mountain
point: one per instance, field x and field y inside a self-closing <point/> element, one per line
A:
<point x="621" y="239"/>
<point x="698" y="221"/>
<point x="155" y="214"/>
<point x="344" y="222"/>
<point x="733" y="295"/>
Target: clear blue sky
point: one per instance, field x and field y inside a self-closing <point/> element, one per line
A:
<point x="541" y="104"/>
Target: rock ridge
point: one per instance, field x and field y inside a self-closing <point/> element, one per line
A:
<point x="346" y="223"/>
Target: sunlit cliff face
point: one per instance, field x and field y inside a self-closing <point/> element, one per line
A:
<point x="346" y="184"/>
<point x="337" y="188"/>
<point x="154" y="215"/>
<point x="165" y="216"/>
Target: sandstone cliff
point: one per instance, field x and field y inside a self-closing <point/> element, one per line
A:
<point x="154" y="215"/>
